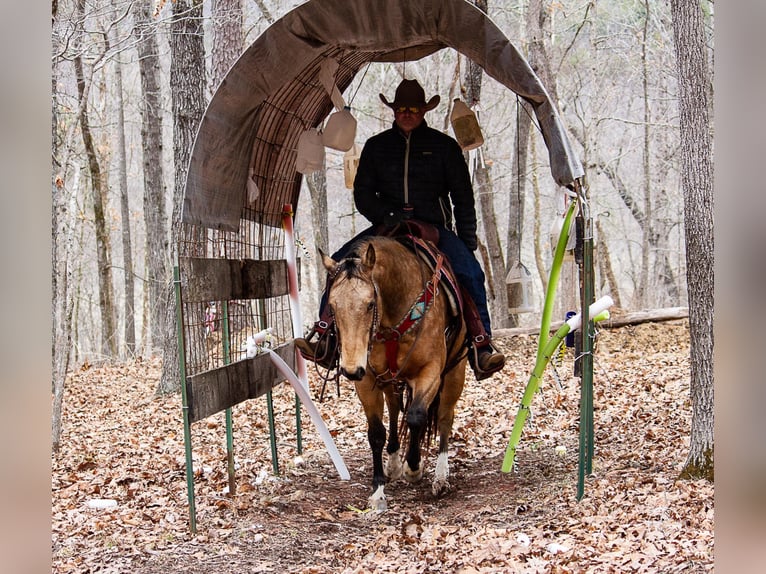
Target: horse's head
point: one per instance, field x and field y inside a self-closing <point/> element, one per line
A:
<point x="353" y="301"/>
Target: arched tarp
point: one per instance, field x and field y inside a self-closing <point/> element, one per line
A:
<point x="273" y="93"/>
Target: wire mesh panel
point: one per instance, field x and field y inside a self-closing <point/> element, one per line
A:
<point x="228" y="284"/>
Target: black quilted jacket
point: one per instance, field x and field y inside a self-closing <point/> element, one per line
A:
<point x="437" y="175"/>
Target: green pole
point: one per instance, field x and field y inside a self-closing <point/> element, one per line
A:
<point x="543" y="352"/>
<point x="229" y="424"/>
<point x="585" y="458"/>
<point x="553" y="279"/>
<point x="185" y="401"/>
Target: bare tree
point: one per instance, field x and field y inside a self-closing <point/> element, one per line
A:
<point x="697" y="182"/>
<point x="187" y="85"/>
<point x="227" y="38"/>
<point x="60" y="273"/>
<point x="98" y="187"/>
<point x="122" y="181"/>
<point x="155" y="216"/>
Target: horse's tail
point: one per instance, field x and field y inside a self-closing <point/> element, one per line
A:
<point x="432" y="418"/>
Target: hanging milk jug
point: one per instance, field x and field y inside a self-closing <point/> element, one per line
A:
<point x="518" y="284"/>
<point x="350" y="163"/>
<point x="340" y="131"/>
<point x="465" y="126"/>
<point x="310" y="152"/>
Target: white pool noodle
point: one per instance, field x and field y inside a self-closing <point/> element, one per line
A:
<point x="596" y="307"/>
<point x="303" y="394"/>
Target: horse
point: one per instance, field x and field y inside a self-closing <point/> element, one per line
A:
<point x="400" y="337"/>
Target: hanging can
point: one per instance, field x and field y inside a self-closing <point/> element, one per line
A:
<point x="310" y="157"/>
<point x="340" y="131"/>
<point x="465" y="126"/>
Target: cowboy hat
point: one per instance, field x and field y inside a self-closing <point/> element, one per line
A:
<point x="410" y="93"/>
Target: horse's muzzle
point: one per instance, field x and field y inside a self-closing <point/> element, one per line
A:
<point x="355" y="375"/>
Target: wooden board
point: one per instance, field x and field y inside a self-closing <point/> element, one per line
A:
<point x="232" y="279"/>
<point x="218" y="389"/>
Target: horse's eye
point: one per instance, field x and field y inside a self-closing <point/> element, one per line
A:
<point x="370" y="305"/>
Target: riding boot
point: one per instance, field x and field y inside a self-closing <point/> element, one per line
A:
<point x="484" y="358"/>
<point x="321" y="343"/>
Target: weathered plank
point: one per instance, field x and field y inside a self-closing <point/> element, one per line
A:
<point x="231" y="279"/>
<point x="218" y="389"/>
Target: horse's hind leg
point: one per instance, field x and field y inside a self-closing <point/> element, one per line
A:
<point x="453" y="388"/>
<point x="417" y="418"/>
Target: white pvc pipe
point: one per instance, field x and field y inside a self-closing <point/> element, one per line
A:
<point x="596" y="307"/>
<point x="305" y="397"/>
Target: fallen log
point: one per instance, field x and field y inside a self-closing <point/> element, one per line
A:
<point x="615" y="321"/>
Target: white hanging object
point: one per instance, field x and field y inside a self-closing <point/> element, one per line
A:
<point x="252" y="188"/>
<point x="518" y="284"/>
<point x="340" y="131"/>
<point x="310" y="152"/>
<point x="350" y="165"/>
<point x="465" y="126"/>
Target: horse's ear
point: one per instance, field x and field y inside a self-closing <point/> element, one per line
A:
<point x="369" y="256"/>
<point x="329" y="262"/>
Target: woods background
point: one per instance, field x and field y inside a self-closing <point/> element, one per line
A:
<point x="117" y="179"/>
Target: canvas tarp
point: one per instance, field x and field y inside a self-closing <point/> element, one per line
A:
<point x="273" y="93"/>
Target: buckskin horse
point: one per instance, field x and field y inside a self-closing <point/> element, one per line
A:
<point x="402" y="342"/>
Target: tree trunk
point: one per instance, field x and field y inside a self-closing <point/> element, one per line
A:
<point x="317" y="184"/>
<point x="127" y="244"/>
<point x="494" y="265"/>
<point x="155" y="191"/>
<point x="105" y="293"/>
<point x="697" y="184"/>
<point x="187" y="86"/>
<point x="227" y="38"/>
<point x="62" y="302"/>
<point x="640" y="297"/>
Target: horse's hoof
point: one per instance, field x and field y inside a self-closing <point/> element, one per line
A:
<point x="440" y="487"/>
<point x="394" y="466"/>
<point x="412" y="476"/>
<point x="377" y="501"/>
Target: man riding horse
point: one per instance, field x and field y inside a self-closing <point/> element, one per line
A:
<point x="414" y="172"/>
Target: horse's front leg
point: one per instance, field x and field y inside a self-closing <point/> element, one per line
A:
<point x="372" y="402"/>
<point x="394" y="466"/>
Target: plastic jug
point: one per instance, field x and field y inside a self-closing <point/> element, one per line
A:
<point x="340" y="131"/>
<point x="350" y="164"/>
<point x="518" y="284"/>
<point x="310" y="152"/>
<point x="465" y="126"/>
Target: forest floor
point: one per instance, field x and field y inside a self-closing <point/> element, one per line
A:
<point x="121" y="442"/>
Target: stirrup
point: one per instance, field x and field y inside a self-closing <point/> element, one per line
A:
<point x="320" y="345"/>
<point x="497" y="362"/>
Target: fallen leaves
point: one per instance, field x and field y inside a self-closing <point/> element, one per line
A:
<point x="121" y="443"/>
